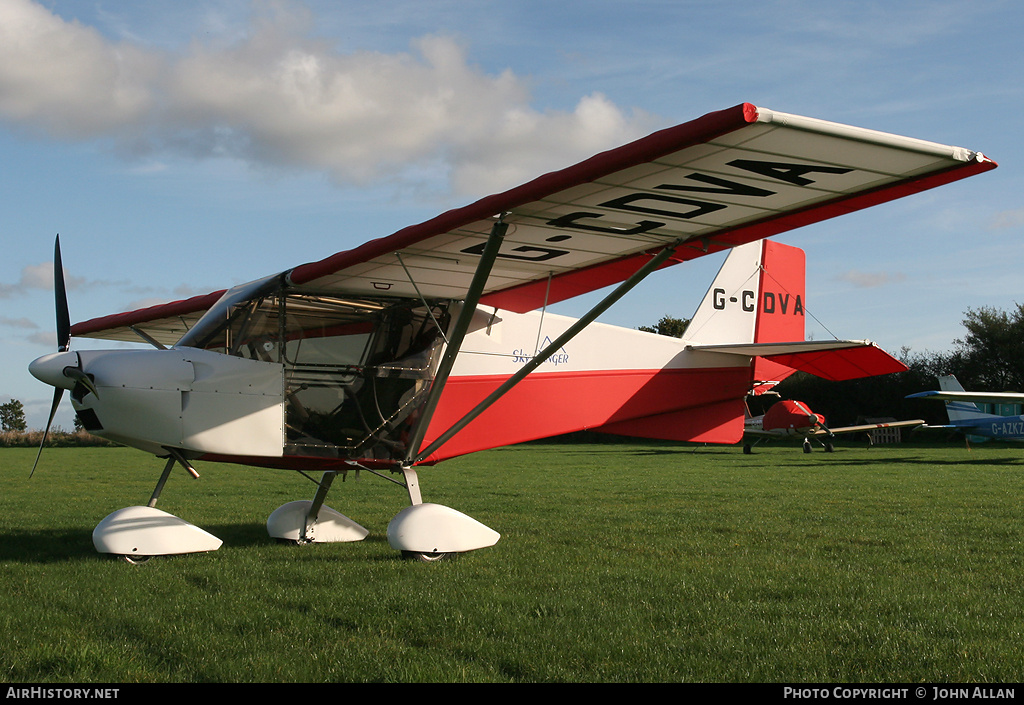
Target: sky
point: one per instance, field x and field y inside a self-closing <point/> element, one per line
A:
<point x="181" y="148"/>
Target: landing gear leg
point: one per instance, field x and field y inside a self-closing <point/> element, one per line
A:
<point x="412" y="485"/>
<point x="326" y="480"/>
<point x="307" y="521"/>
<point x="175" y="457"/>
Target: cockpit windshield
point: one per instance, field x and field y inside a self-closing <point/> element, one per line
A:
<point x="213" y="331"/>
<point x="355" y="367"/>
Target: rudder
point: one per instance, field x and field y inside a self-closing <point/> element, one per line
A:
<point x="958" y="410"/>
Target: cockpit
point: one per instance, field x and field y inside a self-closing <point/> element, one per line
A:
<point x="356" y="369"/>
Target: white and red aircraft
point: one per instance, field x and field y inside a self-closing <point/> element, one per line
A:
<point x="788" y="418"/>
<point x="435" y="341"/>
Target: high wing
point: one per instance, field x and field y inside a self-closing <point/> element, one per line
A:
<point x="994" y="397"/>
<point x="163" y="323"/>
<point x="727" y="178"/>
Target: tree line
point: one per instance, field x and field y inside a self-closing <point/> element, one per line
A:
<point x="14" y="431"/>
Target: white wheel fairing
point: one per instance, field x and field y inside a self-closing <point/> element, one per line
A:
<point x="289" y="522"/>
<point x="139" y="532"/>
<point x="435" y="528"/>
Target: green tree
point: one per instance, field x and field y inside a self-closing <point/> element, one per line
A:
<point x="668" y="325"/>
<point x="12" y="416"/>
<point x="993" y="349"/>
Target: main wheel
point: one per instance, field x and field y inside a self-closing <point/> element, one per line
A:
<point x="425" y="557"/>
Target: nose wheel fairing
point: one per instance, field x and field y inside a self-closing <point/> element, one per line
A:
<point x="142" y="532"/>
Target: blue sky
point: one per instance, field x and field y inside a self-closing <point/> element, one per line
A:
<point x="179" y="148"/>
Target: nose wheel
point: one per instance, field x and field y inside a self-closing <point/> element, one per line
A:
<point x="139" y="533"/>
<point x="136" y="560"/>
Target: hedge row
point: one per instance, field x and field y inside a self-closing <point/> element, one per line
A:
<point x="57" y="438"/>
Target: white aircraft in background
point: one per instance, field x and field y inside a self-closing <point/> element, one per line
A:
<point x="435" y="341"/>
<point x="965" y="415"/>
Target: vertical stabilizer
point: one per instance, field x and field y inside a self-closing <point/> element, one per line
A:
<point x="959" y="410"/>
<point x="758" y="296"/>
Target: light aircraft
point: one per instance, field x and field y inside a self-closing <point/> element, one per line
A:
<point x="966" y="417"/>
<point x="788" y="418"/>
<point x="436" y="341"/>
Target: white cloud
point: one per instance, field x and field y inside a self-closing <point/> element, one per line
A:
<point x="48" y="338"/>
<point x="65" y="78"/>
<point x="17" y="322"/>
<point x="36" y="276"/>
<point x="40" y="277"/>
<point x="870" y="280"/>
<point x="279" y="98"/>
<point x="1008" y="219"/>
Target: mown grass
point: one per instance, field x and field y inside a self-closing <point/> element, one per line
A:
<point x="617" y="563"/>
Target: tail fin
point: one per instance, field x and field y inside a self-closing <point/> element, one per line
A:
<point x="958" y="410"/>
<point x="757" y="297"/>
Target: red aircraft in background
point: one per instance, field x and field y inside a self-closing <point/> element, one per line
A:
<point x="788" y="418"/>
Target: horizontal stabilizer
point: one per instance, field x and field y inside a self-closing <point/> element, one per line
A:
<point x="834" y="360"/>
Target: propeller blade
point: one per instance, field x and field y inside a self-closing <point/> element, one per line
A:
<point x="57" y="394"/>
<point x="61" y="301"/>
<point x="60" y="296"/>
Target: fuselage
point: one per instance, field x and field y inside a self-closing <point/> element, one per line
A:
<point x="1007" y="428"/>
<point x="299" y="380"/>
<point x="786" y="418"/>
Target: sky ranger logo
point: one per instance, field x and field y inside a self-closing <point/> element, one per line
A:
<point x="521" y="357"/>
<point x="771" y="302"/>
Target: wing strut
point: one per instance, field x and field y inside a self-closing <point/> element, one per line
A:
<point x="476" y="289"/>
<point x="544" y="354"/>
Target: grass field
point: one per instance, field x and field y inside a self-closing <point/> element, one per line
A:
<point x="617" y="563"/>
